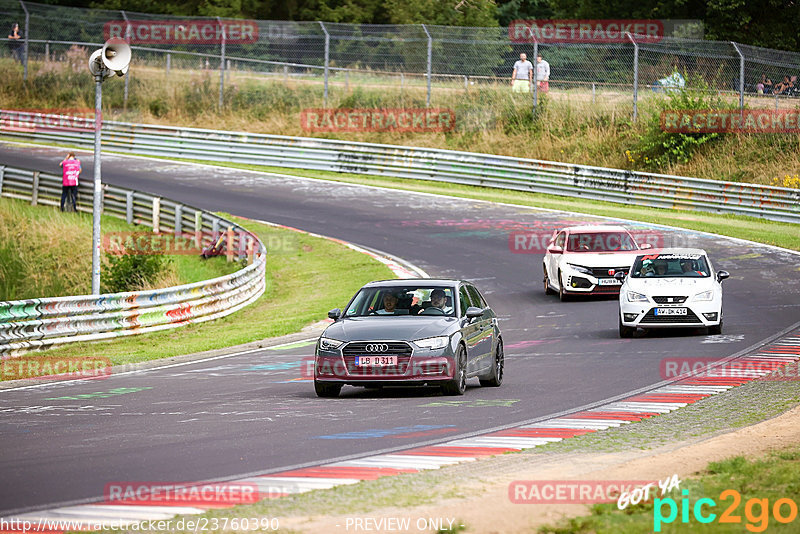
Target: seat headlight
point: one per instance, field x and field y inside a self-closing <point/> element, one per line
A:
<point x="580" y="269"/>
<point x="704" y="296"/>
<point x="633" y="296"/>
<point x="432" y="343"/>
<point x="326" y="343"/>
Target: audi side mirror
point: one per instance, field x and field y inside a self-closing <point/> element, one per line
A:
<point x="335" y="314"/>
<point x="645" y="246"/>
<point x="620" y="275"/>
<point x="722" y="275"/>
<point x="473" y="312"/>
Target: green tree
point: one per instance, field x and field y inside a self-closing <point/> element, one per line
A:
<point x="444" y="13"/>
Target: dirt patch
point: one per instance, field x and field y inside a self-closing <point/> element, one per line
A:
<point x="489" y="510"/>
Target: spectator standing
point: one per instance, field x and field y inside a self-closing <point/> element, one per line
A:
<point x="542" y="74"/>
<point x="71" y="170"/>
<point x="15" y="42"/>
<point x="522" y="77"/>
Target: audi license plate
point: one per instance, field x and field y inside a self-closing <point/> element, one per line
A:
<point x="670" y="311"/>
<point x="609" y="282"/>
<point x="375" y="361"/>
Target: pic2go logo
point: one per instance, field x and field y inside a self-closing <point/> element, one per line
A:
<point x="756" y="511"/>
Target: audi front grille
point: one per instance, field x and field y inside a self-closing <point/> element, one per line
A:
<point x="400" y="349"/>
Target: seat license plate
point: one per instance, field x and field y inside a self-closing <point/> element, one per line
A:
<point x="670" y="311"/>
<point x="375" y="361"/>
<point x="609" y="282"/>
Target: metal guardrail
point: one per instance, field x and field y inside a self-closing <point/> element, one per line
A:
<point x="41" y="323"/>
<point x="501" y="172"/>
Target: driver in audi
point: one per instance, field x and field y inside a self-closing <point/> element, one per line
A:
<point x="439" y="301"/>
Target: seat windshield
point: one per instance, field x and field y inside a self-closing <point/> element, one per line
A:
<point x="670" y="266"/>
<point x="428" y="301"/>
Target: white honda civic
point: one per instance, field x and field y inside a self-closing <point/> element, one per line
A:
<point x="671" y="288"/>
<point x="582" y="260"/>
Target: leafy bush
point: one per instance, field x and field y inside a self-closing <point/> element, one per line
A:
<point x="656" y="149"/>
<point x="159" y="107"/>
<point x="132" y="272"/>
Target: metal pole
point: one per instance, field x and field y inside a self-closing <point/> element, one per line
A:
<point x="327" y="59"/>
<point x="27" y="28"/>
<point x="128" y="40"/>
<point x="430" y="56"/>
<point x="741" y="76"/>
<point x="98" y="185"/>
<point x="169" y="62"/>
<point x="635" y="76"/>
<point x="221" y="65"/>
<point x="535" y="66"/>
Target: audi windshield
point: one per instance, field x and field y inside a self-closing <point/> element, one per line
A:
<point x="670" y="266"/>
<point x="402" y="300"/>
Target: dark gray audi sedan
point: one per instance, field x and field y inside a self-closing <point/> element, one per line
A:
<point x="410" y="332"/>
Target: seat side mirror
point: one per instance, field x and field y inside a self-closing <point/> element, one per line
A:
<point x="335" y="314"/>
<point x="722" y="275"/>
<point x="555" y="249"/>
<point x="620" y="275"/>
<point x="645" y="246"/>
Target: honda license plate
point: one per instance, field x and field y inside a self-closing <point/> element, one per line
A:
<point x="609" y="282"/>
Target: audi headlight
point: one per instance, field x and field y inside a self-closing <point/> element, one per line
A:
<point x="326" y="343"/>
<point x="705" y="295"/>
<point x="580" y="269"/>
<point x="633" y="296"/>
<point x="432" y="343"/>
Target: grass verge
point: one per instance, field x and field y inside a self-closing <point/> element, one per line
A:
<point x="47" y="253"/>
<point x="764" y="481"/>
<point x="296" y="262"/>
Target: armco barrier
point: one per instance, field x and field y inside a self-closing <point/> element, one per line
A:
<point x="40" y="323"/>
<point x="502" y="172"/>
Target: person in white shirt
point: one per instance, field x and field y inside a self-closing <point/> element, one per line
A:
<point x="522" y="77"/>
<point x="542" y="74"/>
<point x="389" y="304"/>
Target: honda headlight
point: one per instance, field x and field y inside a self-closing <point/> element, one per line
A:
<point x="326" y="343"/>
<point x="633" y="296"/>
<point x="580" y="269"/>
<point x="432" y="343"/>
<point x="705" y="295"/>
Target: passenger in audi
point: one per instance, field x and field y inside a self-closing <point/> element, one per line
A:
<point x="389" y="305"/>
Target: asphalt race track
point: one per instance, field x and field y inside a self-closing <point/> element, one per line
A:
<point x="254" y="413"/>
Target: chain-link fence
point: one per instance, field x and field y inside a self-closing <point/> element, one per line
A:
<point x="420" y="59"/>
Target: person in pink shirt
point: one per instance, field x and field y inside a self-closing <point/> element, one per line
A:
<point x="71" y="169"/>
